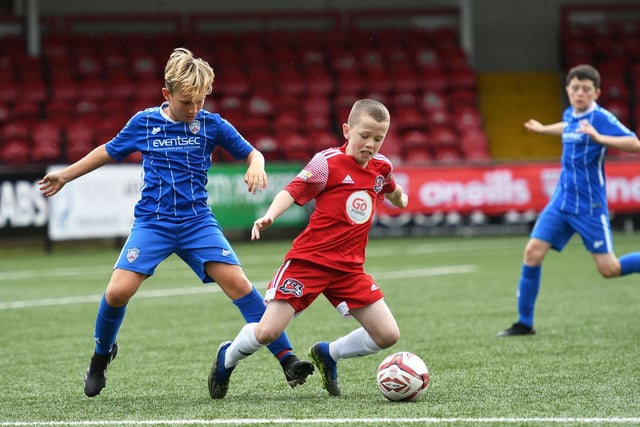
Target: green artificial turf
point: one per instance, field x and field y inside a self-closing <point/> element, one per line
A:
<point x="450" y="296"/>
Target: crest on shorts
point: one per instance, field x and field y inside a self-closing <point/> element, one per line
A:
<point x="132" y="254"/>
<point x="194" y="126"/>
<point x="291" y="287"/>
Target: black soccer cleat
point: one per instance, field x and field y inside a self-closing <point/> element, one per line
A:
<point x="319" y="353"/>
<point x="219" y="375"/>
<point x="295" y="370"/>
<point x="95" y="377"/>
<point x="517" y="329"/>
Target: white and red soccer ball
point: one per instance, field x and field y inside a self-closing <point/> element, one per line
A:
<point x="402" y="377"/>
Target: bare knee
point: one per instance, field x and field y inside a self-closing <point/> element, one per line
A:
<point x="116" y="297"/>
<point x="609" y="271"/>
<point x="387" y="338"/>
<point x="608" y="265"/>
<point x="535" y="252"/>
<point x="266" y="334"/>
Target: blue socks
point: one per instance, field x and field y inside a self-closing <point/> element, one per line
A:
<point x="252" y="308"/>
<point x="527" y="293"/>
<point x="108" y="323"/>
<point x="630" y="263"/>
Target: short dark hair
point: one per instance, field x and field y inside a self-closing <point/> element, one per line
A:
<point x="584" y="72"/>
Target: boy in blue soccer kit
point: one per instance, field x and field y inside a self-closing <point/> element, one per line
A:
<point x="579" y="203"/>
<point x="176" y="140"/>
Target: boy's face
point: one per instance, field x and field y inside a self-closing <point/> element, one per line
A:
<point x="582" y="94"/>
<point x="365" y="138"/>
<point x="181" y="107"/>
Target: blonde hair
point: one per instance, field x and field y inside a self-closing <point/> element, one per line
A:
<point x="371" y="107"/>
<point x="190" y="75"/>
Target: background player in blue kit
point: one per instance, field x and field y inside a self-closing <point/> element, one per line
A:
<point x="579" y="203"/>
<point x="176" y="140"/>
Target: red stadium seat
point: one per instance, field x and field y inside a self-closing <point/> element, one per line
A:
<point x="80" y="133"/>
<point x="295" y="147"/>
<point x="15" y="152"/>
<point x="18" y="130"/>
<point x="443" y="136"/>
<point x="93" y="89"/>
<point x="47" y="142"/>
<point x="413" y="140"/>
<point x="323" y="139"/>
<point x="33" y="90"/>
<point x="408" y="118"/>
<point x="287" y="121"/>
<point x="268" y="146"/>
<point x="447" y="155"/>
<point x="319" y="83"/>
<point x="418" y="156"/>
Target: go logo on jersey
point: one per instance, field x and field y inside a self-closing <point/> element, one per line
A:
<point x="359" y="207"/>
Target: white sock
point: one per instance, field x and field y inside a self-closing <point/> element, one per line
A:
<point x="244" y="345"/>
<point x="355" y="344"/>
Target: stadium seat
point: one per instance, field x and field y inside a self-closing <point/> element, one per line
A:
<point x="443" y="136"/>
<point x="433" y="100"/>
<point x="15" y="152"/>
<point x="406" y="80"/>
<point x="295" y="147"/>
<point x="322" y="139"/>
<point x="10" y="89"/>
<point x="5" y="112"/>
<point x="15" y="130"/>
<point x="392" y="148"/>
<point x="267" y="145"/>
<point x="64" y="89"/>
<point x="447" y="155"/>
<point x="462" y="79"/>
<point x="33" y="91"/>
<point x="80" y="133"/>
<point x="46" y="142"/>
<point x="349" y="83"/>
<point x="89" y="65"/>
<point x="413" y="140"/>
<point x="287" y="121"/>
<point x="93" y="89"/>
<point x="319" y="83"/>
<point x="435" y="80"/>
<point x="408" y="118"/>
<point x="417" y="156"/>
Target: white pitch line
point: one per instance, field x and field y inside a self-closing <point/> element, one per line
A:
<point x="159" y="293"/>
<point x="350" y="421"/>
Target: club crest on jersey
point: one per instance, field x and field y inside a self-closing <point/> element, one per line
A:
<point x="291" y="287"/>
<point x="194" y="127"/>
<point x="359" y="207"/>
<point x="132" y="254"/>
<point x="379" y="184"/>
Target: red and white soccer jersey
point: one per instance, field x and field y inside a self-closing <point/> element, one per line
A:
<point x="346" y="196"/>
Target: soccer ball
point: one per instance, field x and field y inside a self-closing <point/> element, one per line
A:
<point x="403" y="376"/>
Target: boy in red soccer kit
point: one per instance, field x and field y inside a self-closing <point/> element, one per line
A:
<point x="328" y="256"/>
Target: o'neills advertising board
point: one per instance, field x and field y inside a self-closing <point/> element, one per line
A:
<point x="498" y="189"/>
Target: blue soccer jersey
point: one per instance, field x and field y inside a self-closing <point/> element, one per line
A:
<point x="581" y="188"/>
<point x="175" y="159"/>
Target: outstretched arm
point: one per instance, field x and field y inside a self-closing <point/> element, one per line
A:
<point x="54" y="181"/>
<point x="256" y="177"/>
<point x="629" y="144"/>
<point x="551" y="129"/>
<point x="279" y="205"/>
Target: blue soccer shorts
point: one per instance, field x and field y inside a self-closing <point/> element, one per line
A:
<point x="196" y="241"/>
<point x="557" y="228"/>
